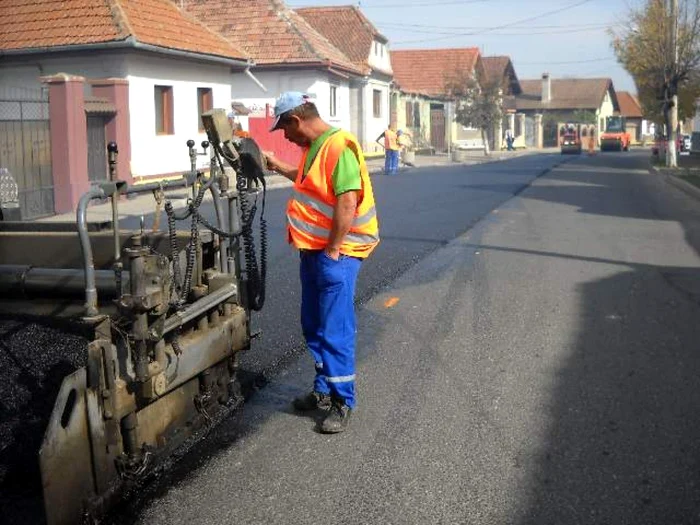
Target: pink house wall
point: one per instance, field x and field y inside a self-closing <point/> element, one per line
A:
<point x="68" y="129"/>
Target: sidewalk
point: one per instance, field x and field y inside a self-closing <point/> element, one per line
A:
<point x="145" y="204"/>
<point x="376" y="164"/>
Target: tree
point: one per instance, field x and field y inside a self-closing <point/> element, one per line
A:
<point x="584" y="116"/>
<point x="478" y="103"/>
<point x="660" y="47"/>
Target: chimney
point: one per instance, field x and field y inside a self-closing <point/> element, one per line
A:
<point x="546" y="88"/>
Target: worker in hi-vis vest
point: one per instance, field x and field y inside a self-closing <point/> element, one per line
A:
<point x="389" y="141"/>
<point x="332" y="221"/>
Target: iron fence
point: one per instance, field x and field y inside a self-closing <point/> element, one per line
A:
<point x="25" y="148"/>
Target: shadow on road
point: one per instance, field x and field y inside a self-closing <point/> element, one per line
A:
<point x="623" y="444"/>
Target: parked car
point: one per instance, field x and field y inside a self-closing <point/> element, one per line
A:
<point x="660" y="143"/>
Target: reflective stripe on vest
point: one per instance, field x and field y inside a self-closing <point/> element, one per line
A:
<point x="328" y="210"/>
<point x="311" y="206"/>
<point x="324" y="232"/>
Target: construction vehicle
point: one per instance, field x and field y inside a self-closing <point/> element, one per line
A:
<point x="615" y="137"/>
<point x="135" y="334"/>
<point x="571" y="140"/>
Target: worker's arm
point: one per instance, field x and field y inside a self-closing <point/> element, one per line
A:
<point x="343" y="215"/>
<point x="283" y="168"/>
<point x="379" y="140"/>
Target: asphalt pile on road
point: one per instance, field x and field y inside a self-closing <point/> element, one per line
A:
<point x="35" y="355"/>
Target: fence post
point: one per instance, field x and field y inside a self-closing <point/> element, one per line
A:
<point x="116" y="90"/>
<point x="68" y="129"/>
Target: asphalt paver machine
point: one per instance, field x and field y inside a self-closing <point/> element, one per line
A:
<point x="125" y="343"/>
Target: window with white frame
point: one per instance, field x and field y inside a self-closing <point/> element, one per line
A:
<point x="334" y="101"/>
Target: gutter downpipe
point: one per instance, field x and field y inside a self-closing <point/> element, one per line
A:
<point x="88" y="264"/>
<point x="255" y="79"/>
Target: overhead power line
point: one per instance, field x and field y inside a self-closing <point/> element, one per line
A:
<point x="495" y="28"/>
<point x="476" y="28"/>
<point x="525" y="33"/>
<point x="547" y="63"/>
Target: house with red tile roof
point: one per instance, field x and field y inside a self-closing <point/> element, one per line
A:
<point x="637" y="126"/>
<point x="499" y="70"/>
<point x="421" y="78"/>
<point x="169" y="66"/>
<point x="289" y="54"/>
<point x="556" y="101"/>
<point x="348" y="29"/>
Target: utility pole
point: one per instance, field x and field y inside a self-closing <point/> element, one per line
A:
<point x="671" y="153"/>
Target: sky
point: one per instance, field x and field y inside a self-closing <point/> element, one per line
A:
<point x="566" y="38"/>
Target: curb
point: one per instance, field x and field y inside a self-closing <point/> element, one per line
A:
<point x="677" y="182"/>
<point x="489" y="160"/>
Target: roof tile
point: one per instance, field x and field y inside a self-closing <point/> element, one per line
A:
<point x="31" y="24"/>
<point x="567" y="93"/>
<point x="629" y="105"/>
<point x="347" y="29"/>
<point x="269" y="32"/>
<point x="425" y="71"/>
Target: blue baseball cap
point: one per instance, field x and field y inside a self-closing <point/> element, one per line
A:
<point x="286" y="102"/>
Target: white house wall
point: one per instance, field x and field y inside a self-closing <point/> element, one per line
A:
<point x="26" y="76"/>
<point x="379" y="58"/>
<point x="607" y="109"/>
<point x="153" y="154"/>
<point x="374" y="126"/>
<point x="314" y="82"/>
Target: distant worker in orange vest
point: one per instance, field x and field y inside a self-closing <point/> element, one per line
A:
<point x="391" y="149"/>
<point x="591" y="144"/>
<point x="332" y="221"/>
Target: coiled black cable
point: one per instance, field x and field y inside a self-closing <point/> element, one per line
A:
<point x="255" y="273"/>
<point x="174" y="257"/>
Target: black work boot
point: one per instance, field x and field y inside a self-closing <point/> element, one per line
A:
<point x="312" y="401"/>
<point x="337" y="419"/>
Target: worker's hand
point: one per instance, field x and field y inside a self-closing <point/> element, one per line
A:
<point x="271" y="162"/>
<point x="333" y="253"/>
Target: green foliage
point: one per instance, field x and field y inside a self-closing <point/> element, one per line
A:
<point x="584" y="116"/>
<point x="645" y="49"/>
<point x="477" y="104"/>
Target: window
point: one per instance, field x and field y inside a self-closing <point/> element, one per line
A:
<point x="376" y="48"/>
<point x="409" y="114"/>
<point x="334" y="101"/>
<point x="416" y="115"/>
<point x="163" y="98"/>
<point x="377" y="103"/>
<point x="205" y="102"/>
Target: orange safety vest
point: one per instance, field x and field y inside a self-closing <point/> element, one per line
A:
<point x="310" y="209"/>
<point x="390" y="141"/>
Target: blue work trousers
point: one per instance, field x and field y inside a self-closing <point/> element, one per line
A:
<point x="391" y="162"/>
<point x="328" y="320"/>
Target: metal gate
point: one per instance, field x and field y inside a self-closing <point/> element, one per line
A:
<point x="530" y="132"/>
<point x="25" y="148"/>
<point x="437" y="128"/>
<point x="550" y="132"/>
<point x="97" y="148"/>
